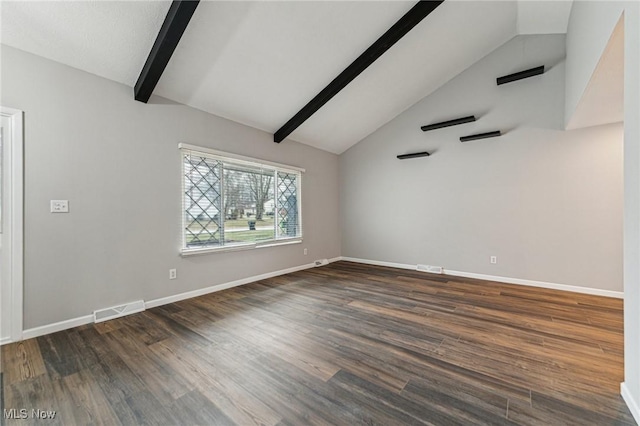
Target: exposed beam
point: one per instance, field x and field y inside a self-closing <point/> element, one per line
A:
<point x="388" y="39"/>
<point x="174" y="25"/>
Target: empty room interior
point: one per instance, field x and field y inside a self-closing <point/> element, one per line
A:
<point x="320" y="212"/>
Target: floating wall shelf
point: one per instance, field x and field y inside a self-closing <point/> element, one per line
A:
<point x="449" y="123"/>
<point x="414" y="155"/>
<point x="520" y="75"/>
<point x="481" y="136"/>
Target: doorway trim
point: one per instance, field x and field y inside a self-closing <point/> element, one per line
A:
<point x="15" y="163"/>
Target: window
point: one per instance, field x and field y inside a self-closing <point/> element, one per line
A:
<point x="234" y="202"/>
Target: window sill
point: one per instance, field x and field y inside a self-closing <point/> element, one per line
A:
<point x="196" y="252"/>
<point x="280" y="242"/>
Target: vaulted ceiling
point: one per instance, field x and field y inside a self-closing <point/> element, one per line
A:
<point x="258" y="63"/>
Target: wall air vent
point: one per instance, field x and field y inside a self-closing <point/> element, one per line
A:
<point x="118" y="311"/>
<point x="429" y="268"/>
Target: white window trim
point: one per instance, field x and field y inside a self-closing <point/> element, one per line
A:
<point x="225" y="156"/>
<point x="240" y="247"/>
<point x="222" y="156"/>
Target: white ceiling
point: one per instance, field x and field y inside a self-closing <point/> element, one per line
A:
<point x="106" y="38"/>
<point x="258" y="63"/>
<point x="543" y="17"/>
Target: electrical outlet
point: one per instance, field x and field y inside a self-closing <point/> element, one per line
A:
<point x="173" y="274"/>
<point x="59" y="206"/>
<point x="494" y="259"/>
<point x="305" y="252"/>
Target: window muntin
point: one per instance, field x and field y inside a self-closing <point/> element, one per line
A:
<point x="230" y="202"/>
<point x="287" y="205"/>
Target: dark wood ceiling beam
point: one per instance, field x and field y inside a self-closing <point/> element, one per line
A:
<point x="174" y="25"/>
<point x="388" y="39"/>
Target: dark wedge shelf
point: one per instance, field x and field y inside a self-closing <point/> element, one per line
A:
<point x="520" y="75"/>
<point x="414" y="155"/>
<point x="480" y="136"/>
<point x="449" y="123"/>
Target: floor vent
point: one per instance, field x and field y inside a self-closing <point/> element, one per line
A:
<point x="118" y="311"/>
<point x="429" y="268"/>
<point x="321" y="262"/>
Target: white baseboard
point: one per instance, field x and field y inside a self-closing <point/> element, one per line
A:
<point x="508" y="280"/>
<point x="56" y="326"/>
<point x="88" y="319"/>
<point x="542" y="284"/>
<point x="379" y="263"/>
<point x="5" y="340"/>
<point x="202" y="291"/>
<point x="631" y="403"/>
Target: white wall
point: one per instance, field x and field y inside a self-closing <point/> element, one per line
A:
<point x="117" y="162"/>
<point x="585" y="45"/>
<point x="546" y="202"/>
<point x="590" y="26"/>
<point x="632" y="210"/>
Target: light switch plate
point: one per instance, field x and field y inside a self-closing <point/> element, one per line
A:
<point x="59" y="206"/>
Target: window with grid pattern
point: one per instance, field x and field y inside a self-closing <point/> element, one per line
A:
<point x="235" y="202"/>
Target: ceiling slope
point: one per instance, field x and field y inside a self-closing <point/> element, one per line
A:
<point x="258" y="63"/>
<point x="443" y="45"/>
<point x="173" y="27"/>
<point x="603" y="99"/>
<point x="543" y="17"/>
<point x="405" y="24"/>
<point x="111" y="39"/>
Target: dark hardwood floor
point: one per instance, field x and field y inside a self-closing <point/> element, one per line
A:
<point x="342" y="344"/>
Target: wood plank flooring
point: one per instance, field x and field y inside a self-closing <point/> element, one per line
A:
<point x="344" y="344"/>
